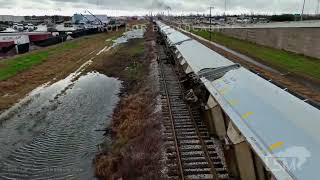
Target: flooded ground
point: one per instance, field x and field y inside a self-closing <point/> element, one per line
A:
<point x="52" y="134"/>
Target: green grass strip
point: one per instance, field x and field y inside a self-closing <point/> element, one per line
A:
<point x="12" y="66"/>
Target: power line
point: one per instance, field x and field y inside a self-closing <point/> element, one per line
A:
<point x="211" y="7"/>
<point x="98" y="3"/>
<point x="225" y="7"/>
<point x="225" y="10"/>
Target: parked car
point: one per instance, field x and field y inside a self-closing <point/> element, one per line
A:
<point x="20" y="27"/>
<point x="15" y="26"/>
<point x="30" y="27"/>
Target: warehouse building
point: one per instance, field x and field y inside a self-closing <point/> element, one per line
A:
<point x="11" y="19"/>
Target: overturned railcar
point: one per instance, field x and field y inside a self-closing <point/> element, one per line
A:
<point x="268" y="131"/>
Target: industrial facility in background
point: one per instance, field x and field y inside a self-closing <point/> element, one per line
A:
<point x="19" y="33"/>
<point x="78" y="18"/>
<point x="9" y="19"/>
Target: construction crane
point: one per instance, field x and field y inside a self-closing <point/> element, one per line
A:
<point x="85" y="17"/>
<point x="94" y="17"/>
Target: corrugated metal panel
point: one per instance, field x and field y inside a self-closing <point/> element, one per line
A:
<point x="177" y="37"/>
<point x="198" y="56"/>
<point x="274" y="122"/>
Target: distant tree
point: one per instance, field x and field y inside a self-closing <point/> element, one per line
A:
<point x="282" y="17"/>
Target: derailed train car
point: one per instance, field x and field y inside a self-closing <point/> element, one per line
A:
<point x="268" y="132"/>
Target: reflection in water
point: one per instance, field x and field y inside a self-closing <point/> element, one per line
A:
<point x="52" y="133"/>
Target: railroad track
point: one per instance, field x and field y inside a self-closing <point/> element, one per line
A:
<point x="191" y="152"/>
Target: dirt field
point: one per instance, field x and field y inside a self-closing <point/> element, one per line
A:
<point x="55" y="66"/>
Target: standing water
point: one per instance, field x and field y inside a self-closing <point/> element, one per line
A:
<point x="53" y="134"/>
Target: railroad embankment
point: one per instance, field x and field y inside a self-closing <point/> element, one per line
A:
<point x="134" y="151"/>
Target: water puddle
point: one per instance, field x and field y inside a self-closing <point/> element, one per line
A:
<point x="53" y="132"/>
<point x="54" y="136"/>
<point x="133" y="34"/>
<point x="45" y="92"/>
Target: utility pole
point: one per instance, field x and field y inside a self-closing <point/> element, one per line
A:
<point x="225" y="10"/>
<point x="211" y="7"/>
<point x="317" y="11"/>
<point x="304" y="2"/>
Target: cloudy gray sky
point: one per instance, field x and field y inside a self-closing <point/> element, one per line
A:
<point x="140" y="7"/>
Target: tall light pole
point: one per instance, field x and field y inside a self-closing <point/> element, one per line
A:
<point x="317" y="11"/>
<point x="225" y="10"/>
<point x="211" y="7"/>
<point x="304" y="2"/>
<point x="98" y="3"/>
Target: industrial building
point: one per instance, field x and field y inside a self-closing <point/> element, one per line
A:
<point x="80" y="18"/>
<point x="11" y="19"/>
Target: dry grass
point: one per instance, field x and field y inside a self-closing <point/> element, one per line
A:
<point x="135" y="152"/>
<point x="135" y="112"/>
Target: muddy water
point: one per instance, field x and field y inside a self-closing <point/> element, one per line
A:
<point x="52" y="133"/>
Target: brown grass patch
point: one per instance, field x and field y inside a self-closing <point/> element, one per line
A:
<point x="135" y="152"/>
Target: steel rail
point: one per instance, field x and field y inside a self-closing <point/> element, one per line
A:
<point x="203" y="144"/>
<point x="178" y="155"/>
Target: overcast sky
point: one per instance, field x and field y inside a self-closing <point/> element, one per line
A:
<point x="140" y="7"/>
